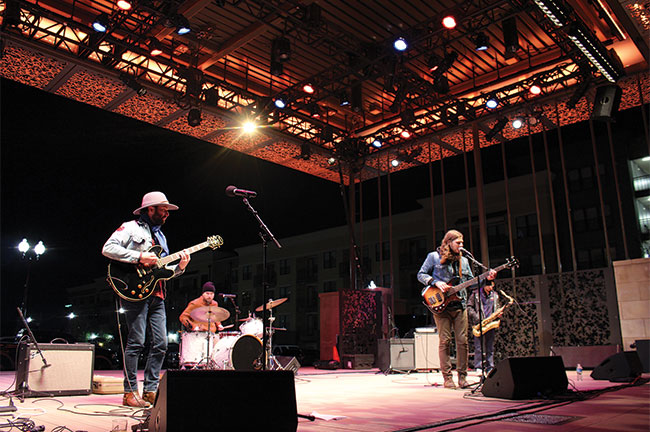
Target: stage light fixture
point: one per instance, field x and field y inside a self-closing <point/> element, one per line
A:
<point x="305" y="151"/>
<point x="394" y="163"/>
<point x="331" y="161"/>
<point x="405" y="134"/>
<point x="497" y="128"/>
<point x="308" y="88"/>
<point x="481" y="41"/>
<point x="510" y="36"/>
<point x="281" y="49"/>
<point x="194" y="117"/>
<point x="517" y="122"/>
<point x="344" y="100"/>
<point x="491" y="102"/>
<point x="280" y="103"/>
<point x="249" y="127"/>
<point x="579" y="92"/>
<point x="133" y="84"/>
<point x="124" y="4"/>
<point x="314" y="110"/>
<point x="449" y="22"/>
<point x="434" y="62"/>
<point x="182" y="25"/>
<point x="400" y="44"/>
<point x="154" y="46"/>
<point x="101" y="23"/>
<point x="377" y="142"/>
<point x="277" y="68"/>
<point x="11" y="14"/>
<point x="441" y="84"/>
<point x="535" y="89"/>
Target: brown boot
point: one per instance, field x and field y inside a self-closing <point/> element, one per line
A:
<point x="133" y="399"/>
<point x="149" y="397"/>
<point x="462" y="382"/>
<point x="449" y="383"/>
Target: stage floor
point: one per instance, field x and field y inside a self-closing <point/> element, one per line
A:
<point x="366" y="400"/>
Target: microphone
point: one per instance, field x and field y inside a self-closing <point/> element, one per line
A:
<point x="465" y="251"/>
<point x="228" y="295"/>
<point x="233" y="191"/>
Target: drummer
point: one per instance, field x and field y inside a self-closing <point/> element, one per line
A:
<point x="206" y="299"/>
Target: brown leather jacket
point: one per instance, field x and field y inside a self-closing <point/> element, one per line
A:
<point x="192" y="325"/>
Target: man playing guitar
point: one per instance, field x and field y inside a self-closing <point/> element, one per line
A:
<point x="440" y="267"/>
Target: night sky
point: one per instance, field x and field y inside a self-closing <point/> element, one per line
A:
<point x="72" y="173"/>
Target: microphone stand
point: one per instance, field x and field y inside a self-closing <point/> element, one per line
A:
<point x="24" y="389"/>
<point x="477" y="293"/>
<point x="237" y="312"/>
<point x="265" y="235"/>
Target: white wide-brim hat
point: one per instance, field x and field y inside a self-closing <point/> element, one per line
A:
<point x="153" y="199"/>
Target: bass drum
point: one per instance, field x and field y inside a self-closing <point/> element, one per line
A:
<point x="194" y="347"/>
<point x="238" y="353"/>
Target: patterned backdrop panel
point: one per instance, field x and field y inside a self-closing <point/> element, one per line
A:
<point x="519" y="330"/>
<point x="579" y="312"/>
<point x="361" y="321"/>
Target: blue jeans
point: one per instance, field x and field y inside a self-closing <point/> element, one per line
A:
<point x="148" y="315"/>
<point x="489" y="350"/>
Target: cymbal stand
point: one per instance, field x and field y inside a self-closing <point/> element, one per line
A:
<point x="272" y="362"/>
<point x="209" y="363"/>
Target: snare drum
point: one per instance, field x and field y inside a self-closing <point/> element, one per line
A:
<point x="238" y="352"/>
<point x="194" y="347"/>
<point x="253" y="327"/>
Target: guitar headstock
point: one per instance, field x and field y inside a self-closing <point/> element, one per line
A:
<point x="215" y="241"/>
<point x="512" y="262"/>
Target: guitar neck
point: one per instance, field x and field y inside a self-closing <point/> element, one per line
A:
<point x="480" y="277"/>
<point x="176" y="256"/>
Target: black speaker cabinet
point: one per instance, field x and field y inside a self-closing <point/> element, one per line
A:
<point x="620" y="367"/>
<point x="643" y="348"/>
<point x="526" y="378"/>
<point x="608" y="98"/>
<point x="225" y="400"/>
<point x="70" y="370"/>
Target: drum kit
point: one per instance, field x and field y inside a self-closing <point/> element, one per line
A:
<point x="228" y="350"/>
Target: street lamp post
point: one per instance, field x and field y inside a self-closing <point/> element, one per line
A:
<point x="30" y="254"/>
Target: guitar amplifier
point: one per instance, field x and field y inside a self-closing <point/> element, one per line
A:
<point x="396" y="354"/>
<point x="70" y="370"/>
<point x="426" y="349"/>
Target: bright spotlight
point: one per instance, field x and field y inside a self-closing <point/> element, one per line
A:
<point x="405" y="134"/>
<point x="400" y="44"/>
<point x="249" y="127"/>
<point x="394" y="162"/>
<point x="39" y="249"/>
<point x="492" y="102"/>
<point x="23" y="246"/>
<point x="101" y="23"/>
<point x="124" y="4"/>
<point x="280" y="103"/>
<point x="308" y="88"/>
<point x="449" y="22"/>
<point x="71" y="315"/>
<point x="535" y="89"/>
<point x="517" y="122"/>
<point x="376" y="142"/>
<point x="121" y="310"/>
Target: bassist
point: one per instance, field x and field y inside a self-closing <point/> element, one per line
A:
<point x="130" y="244"/>
<point x="440" y="267"/>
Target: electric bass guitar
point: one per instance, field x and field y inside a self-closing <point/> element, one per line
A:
<point x="136" y="282"/>
<point x="436" y="301"/>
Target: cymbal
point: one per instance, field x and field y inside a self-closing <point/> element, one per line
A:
<point x="271" y="304"/>
<point x="245" y="319"/>
<point x="209" y="313"/>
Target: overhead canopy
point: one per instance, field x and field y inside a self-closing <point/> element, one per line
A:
<point x="424" y="103"/>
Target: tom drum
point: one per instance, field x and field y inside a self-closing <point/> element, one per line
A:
<point x="194" y="347"/>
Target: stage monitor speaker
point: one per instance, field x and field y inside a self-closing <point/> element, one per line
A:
<point x="643" y="348"/>
<point x="608" y="98"/>
<point x="526" y="378"/>
<point x="288" y="363"/>
<point x="225" y="400"/>
<point x="620" y="367"/>
<point x="70" y="370"/>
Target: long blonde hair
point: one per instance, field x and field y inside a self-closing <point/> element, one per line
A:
<point x="446" y="254"/>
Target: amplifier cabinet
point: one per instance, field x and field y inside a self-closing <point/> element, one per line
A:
<point x="426" y="350"/>
<point x="395" y="354"/>
<point x="70" y="370"/>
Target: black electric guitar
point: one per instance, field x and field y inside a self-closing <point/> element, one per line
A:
<point x="136" y="282"/>
<point x="436" y="300"/>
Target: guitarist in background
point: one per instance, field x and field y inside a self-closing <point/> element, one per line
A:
<point x="129" y="244"/>
<point x="440" y="267"/>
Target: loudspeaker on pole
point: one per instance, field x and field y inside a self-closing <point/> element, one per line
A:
<point x="608" y="98"/>
<point x="526" y="378"/>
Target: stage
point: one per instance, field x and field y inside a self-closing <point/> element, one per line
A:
<point x="368" y="400"/>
